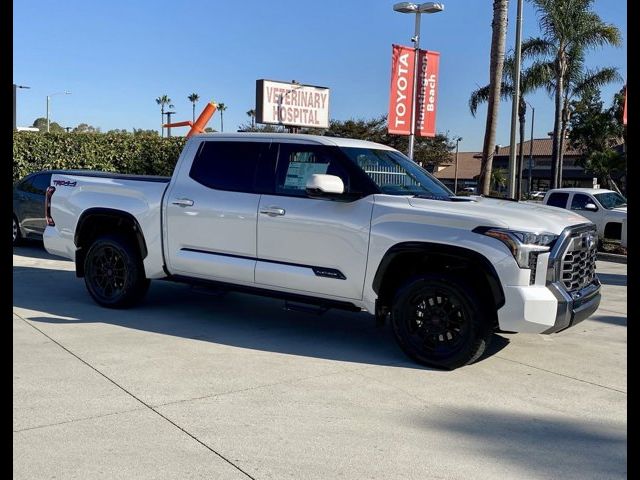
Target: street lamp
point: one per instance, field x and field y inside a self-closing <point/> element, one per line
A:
<point x="15" y="88"/>
<point x="168" y="114"/>
<point x="417" y="9"/>
<point x="533" y="116"/>
<point x="455" y="181"/>
<point x="66" y="92"/>
<point x="515" y="103"/>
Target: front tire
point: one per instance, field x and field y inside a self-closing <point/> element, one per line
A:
<point x="439" y="321"/>
<point x="114" y="274"/>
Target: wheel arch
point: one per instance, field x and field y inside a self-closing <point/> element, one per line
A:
<point x="409" y="258"/>
<point x="96" y="221"/>
<point x="613" y="230"/>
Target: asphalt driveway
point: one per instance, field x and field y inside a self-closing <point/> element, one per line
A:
<point x="194" y="385"/>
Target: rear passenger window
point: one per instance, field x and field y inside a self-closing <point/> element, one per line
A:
<point x="558" y="200"/>
<point x="227" y="165"/>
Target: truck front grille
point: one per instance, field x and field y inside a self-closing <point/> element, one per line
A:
<point x="578" y="266"/>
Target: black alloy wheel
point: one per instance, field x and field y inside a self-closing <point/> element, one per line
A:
<point x="439" y="321"/>
<point x="114" y="274"/>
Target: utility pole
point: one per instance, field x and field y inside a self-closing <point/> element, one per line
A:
<point x="511" y="181"/>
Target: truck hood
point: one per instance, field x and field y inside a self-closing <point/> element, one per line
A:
<point x="483" y="211"/>
<point x="619" y="210"/>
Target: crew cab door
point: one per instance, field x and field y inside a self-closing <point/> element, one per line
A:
<point x="211" y="212"/>
<point x="309" y="245"/>
<point x="579" y="202"/>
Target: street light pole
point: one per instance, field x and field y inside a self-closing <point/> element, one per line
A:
<point x="414" y="88"/>
<point x="168" y="114"/>
<point x="66" y="92"/>
<point x="410" y="7"/>
<point x="515" y="104"/>
<point x="533" y="116"/>
<point x="455" y="181"/>
<point x="15" y="90"/>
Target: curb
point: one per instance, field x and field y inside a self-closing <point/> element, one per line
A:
<point x="612" y="257"/>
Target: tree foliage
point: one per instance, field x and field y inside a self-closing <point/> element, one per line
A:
<point x="86" y="128"/>
<point x="41" y="124"/>
<point x="110" y="152"/>
<point x="597" y="132"/>
<point x="427" y="151"/>
<point x="569" y="29"/>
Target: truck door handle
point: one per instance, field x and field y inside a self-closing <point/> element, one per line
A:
<point x="183" y="202"/>
<point x="273" y="211"/>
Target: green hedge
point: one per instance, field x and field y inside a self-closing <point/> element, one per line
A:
<point x="109" y="152"/>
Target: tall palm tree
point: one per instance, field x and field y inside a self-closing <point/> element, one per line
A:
<point x="193" y="98"/>
<point x="578" y="80"/>
<point x="530" y="79"/>
<point x="498" y="40"/>
<point x="221" y="108"/>
<point x="162" y="101"/>
<point x="252" y="113"/>
<point x="569" y="28"/>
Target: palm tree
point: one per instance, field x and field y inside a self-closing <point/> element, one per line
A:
<point x="162" y="101"/>
<point x="530" y="80"/>
<point x="569" y="28"/>
<point x="499" y="179"/>
<point x="498" y="38"/>
<point x="193" y="98"/>
<point x="252" y="113"/>
<point x="221" y="108"/>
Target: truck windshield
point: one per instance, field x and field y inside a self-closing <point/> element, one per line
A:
<point x="611" y="200"/>
<point x="396" y="174"/>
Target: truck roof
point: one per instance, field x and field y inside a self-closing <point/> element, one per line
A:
<point x="318" y="139"/>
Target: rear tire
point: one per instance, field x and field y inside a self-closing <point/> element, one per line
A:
<point x="114" y="274"/>
<point x="17" y="236"/>
<point x="439" y="321"/>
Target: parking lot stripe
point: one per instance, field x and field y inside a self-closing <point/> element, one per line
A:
<point x="138" y="399"/>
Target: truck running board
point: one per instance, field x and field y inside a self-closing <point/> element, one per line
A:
<point x="305" y="308"/>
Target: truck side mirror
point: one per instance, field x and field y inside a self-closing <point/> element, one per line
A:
<point x="321" y="185"/>
<point x="591" y="207"/>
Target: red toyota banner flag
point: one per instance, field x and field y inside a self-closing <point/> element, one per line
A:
<point x="400" y="98"/>
<point x="427" y="95"/>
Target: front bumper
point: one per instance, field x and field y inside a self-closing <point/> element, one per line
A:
<point x="574" y="307"/>
<point x="547" y="306"/>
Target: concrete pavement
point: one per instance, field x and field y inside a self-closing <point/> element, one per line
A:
<point x="189" y="385"/>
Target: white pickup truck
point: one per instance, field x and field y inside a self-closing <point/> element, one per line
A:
<point x="605" y="208"/>
<point x="331" y="222"/>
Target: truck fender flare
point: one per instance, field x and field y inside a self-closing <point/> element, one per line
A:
<point x="466" y="254"/>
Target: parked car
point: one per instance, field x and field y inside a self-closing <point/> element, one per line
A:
<point x="28" y="206"/>
<point x="606" y="208"/>
<point x="333" y="222"/>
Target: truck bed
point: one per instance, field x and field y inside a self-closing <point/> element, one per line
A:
<point x="119" y="176"/>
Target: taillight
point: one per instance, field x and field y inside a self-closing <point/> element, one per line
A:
<point x="47" y="206"/>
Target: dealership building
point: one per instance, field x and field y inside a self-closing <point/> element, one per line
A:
<point x="573" y="175"/>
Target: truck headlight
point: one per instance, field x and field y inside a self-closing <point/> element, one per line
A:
<point x="524" y="246"/>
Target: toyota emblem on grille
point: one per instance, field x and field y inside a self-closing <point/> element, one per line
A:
<point x="588" y="241"/>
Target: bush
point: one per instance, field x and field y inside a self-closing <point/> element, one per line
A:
<point x="109" y="152"/>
